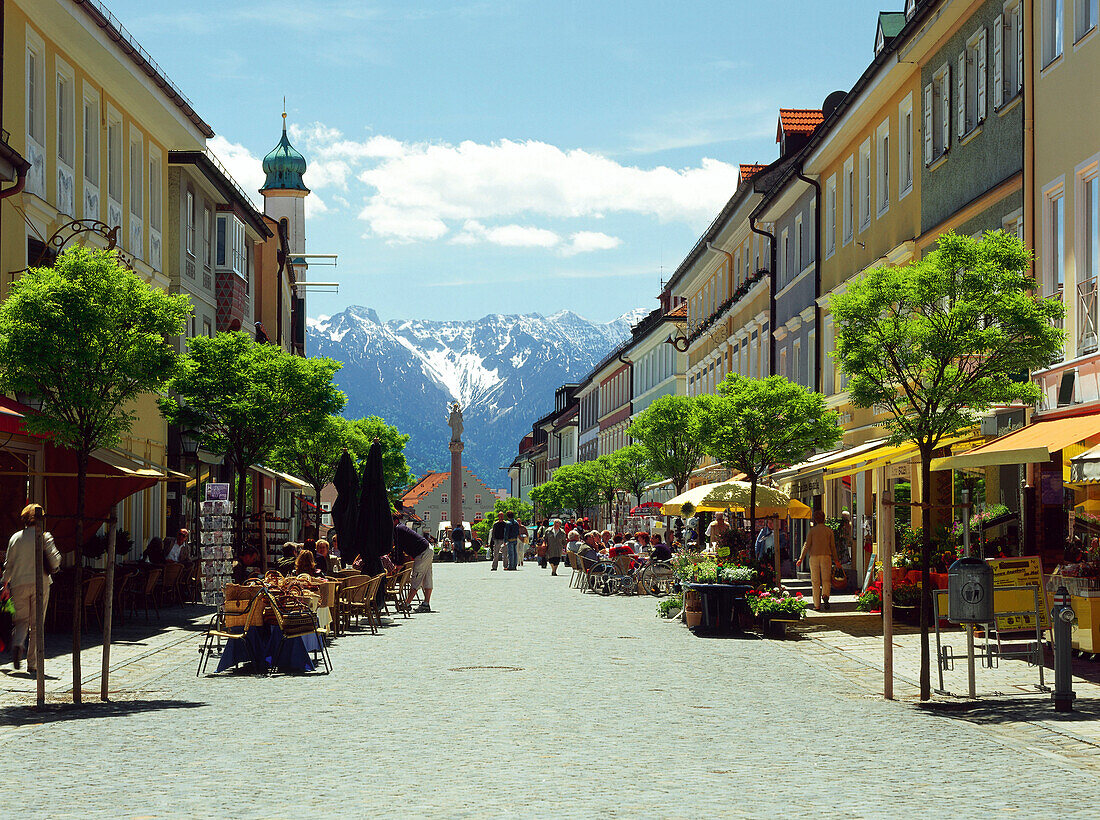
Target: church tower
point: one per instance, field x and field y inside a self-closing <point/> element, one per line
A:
<point x="284" y="190"/>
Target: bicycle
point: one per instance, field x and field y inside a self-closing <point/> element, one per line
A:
<point x="656" y="578"/>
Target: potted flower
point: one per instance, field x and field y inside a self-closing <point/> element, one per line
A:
<point x="776" y="605"/>
<point x="870" y="600"/>
<point x="907" y="599"/>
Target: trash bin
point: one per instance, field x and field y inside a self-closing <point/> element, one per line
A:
<point x="970" y="592"/>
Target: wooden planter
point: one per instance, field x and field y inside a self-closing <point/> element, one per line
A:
<point x="907" y="614"/>
<point x="693" y="608"/>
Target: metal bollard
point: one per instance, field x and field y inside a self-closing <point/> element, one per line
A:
<point x="1061" y="619"/>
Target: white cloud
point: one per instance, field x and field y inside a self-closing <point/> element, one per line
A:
<point x="417" y="191"/>
<point x="585" y="241"/>
<point x="507" y="236"/>
<point x="241" y="164"/>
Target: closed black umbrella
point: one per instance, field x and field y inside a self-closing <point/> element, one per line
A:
<point x="345" y="509"/>
<point x="374" y="526"/>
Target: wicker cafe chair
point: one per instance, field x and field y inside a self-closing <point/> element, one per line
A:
<point x="340" y="612"/>
<point x="296" y="621"/>
<point x="345" y="573"/>
<point x="397" y="587"/>
<point x="145" y="593"/>
<point x="353" y="601"/>
<point x="122" y="583"/>
<point x="571" y="559"/>
<point x="238" y="614"/>
<point x="92" y="598"/>
<point x="372" y="601"/>
<point x="168" y="589"/>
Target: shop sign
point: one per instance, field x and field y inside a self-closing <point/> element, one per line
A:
<point x="1018" y="572"/>
<point x="900" y="471"/>
<point x="217" y="492"/>
<point x="806" y="486"/>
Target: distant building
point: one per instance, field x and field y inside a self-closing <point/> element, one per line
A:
<point x="429" y="499"/>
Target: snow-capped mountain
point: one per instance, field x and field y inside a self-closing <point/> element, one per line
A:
<point x="503" y="370"/>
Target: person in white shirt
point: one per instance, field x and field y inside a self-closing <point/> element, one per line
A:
<point x="18" y="573"/>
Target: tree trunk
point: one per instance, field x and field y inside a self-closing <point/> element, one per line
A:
<point x="78" y="574"/>
<point x="925" y="577"/>
<point x="242" y="509"/>
<point x="108" y="608"/>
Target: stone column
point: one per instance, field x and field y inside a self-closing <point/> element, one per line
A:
<point x="456" y="482"/>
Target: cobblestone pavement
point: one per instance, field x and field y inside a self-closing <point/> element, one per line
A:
<point x="522" y="697"/>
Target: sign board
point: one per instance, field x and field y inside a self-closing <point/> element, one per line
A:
<point x="217" y="492"/>
<point x="900" y="471"/>
<point x="1018" y="572"/>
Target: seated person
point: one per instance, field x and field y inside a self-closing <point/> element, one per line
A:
<point x="285" y="565"/>
<point x="154" y="552"/>
<point x="246" y="566"/>
<point x="304" y="564"/>
<point x="620" y="549"/>
<point x="321" y="559"/>
<point x="573" y="544"/>
<point x="588" y="549"/>
<point x="661" y="551"/>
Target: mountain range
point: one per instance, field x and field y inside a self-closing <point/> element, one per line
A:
<point x="502" y="370"/>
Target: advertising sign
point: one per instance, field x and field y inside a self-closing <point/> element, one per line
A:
<point x="1018" y="572"/>
<point x="217" y="492"/>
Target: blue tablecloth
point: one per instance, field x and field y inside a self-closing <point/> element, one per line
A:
<point x="295" y="654"/>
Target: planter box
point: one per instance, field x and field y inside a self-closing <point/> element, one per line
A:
<point x="693" y="618"/>
<point x="907" y="615"/>
<point x="1086" y="637"/>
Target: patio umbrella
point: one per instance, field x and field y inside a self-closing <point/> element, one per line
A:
<point x="695" y="496"/>
<point x="375" y="523"/>
<point x="735" y="496"/>
<point x="648" y="506"/>
<point x="346" y="507"/>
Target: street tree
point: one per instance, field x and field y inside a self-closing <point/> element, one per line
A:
<point x="395" y="467"/>
<point x="86" y="338"/>
<point x="938" y="342"/>
<point x="606" y="476"/>
<point x="577" y="486"/>
<point x="243" y="399"/>
<point x="669" y="431"/>
<point x="756" y="425"/>
<point x="632" y="469"/>
<point x="521" y="508"/>
<point x="546" y="497"/>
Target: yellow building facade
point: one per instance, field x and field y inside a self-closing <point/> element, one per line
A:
<point x="95" y="117"/>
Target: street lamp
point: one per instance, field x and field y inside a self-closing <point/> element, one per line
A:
<point x="189" y="445"/>
<point x="620" y="496"/>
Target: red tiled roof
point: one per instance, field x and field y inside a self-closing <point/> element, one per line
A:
<point x="798" y="121"/>
<point x="423" y="487"/>
<point x="747" y="171"/>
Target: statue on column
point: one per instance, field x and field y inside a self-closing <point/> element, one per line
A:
<point x="455" y="421"/>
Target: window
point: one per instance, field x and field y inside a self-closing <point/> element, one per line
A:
<point x="799" y="245"/>
<point x="66" y="147"/>
<point x="207" y="251"/>
<point x="1054" y="236"/>
<point x="830" y="216"/>
<point x="905" y="146"/>
<point x="737" y="268"/>
<point x="91" y="141"/>
<point x="882" y="168"/>
<point x="154" y="190"/>
<point x="937" y="115"/>
<point x="442" y="499"/>
<point x="784" y="255"/>
<point x="1008" y="54"/>
<point x="136" y="178"/>
<point x="114" y="160"/>
<point x="849" y="200"/>
<point x="189" y="232"/>
<point x="207" y="330"/>
<point x="748" y="245"/>
<point x="1052" y="30"/>
<point x="783" y="364"/>
<point x="796" y="355"/>
<point x="1084" y="17"/>
<point x="1088" y="254"/>
<point x="971" y="80"/>
<point x="36" y="103"/>
<point x="477" y="498"/>
<point x="864" y="185"/>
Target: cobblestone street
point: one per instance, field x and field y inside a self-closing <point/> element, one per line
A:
<point x="522" y="697"/>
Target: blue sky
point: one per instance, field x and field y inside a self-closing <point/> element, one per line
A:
<point x="473" y="157"/>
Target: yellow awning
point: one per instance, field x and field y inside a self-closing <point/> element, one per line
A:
<point x="884" y="455"/>
<point x="822" y="460"/>
<point x="1032" y="444"/>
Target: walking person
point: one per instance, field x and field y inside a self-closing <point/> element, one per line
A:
<point x="458" y="542"/>
<point x="511" y="541"/>
<point x="19" y="566"/>
<point x="820" y="548"/>
<point x="411" y="546"/>
<point x="554" y="540"/>
<point x="497" y="541"/>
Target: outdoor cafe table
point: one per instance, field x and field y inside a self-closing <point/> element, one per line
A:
<point x="722" y="604"/>
<point x="295" y="654"/>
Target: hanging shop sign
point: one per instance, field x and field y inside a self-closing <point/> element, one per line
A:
<point x="1018" y="572"/>
<point x="217" y="492"/>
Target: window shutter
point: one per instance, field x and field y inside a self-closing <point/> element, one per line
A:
<point x="960" y="94"/>
<point x="946" y="103"/>
<point x="928" y="124"/>
<point x="982" y="74"/>
<point x="1019" y="85"/>
<point x="998" y="58"/>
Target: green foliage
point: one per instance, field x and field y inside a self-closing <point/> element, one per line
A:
<point x="87" y="337"/>
<point x="244" y="399"/>
<point x="907" y="594"/>
<point x="631" y="466"/>
<point x="577" y="486"/>
<point x="943" y="339"/>
<point x="547" y="497"/>
<point x="395" y="468"/>
<point x="776" y="603"/>
<point x="669" y="431"/>
<point x="524" y="513"/>
<point x="606" y="479"/>
<point x="667" y="606"/>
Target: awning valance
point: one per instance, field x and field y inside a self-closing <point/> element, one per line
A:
<point x="275" y="475"/>
<point x="1085" y="468"/>
<point x="1032" y="444"/>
